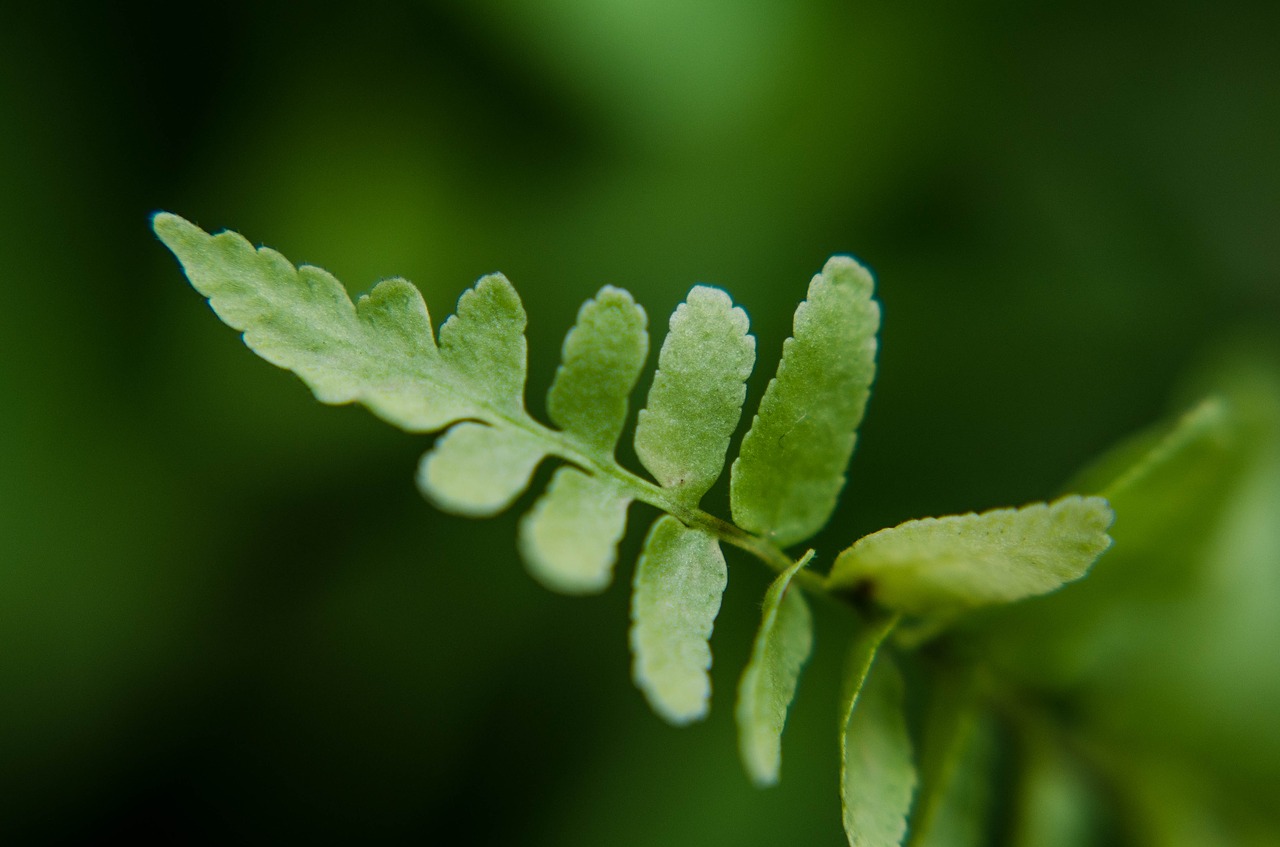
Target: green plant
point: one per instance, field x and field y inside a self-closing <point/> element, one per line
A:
<point x="911" y="581"/>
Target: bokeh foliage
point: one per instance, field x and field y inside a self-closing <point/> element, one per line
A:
<point x="1071" y="210"/>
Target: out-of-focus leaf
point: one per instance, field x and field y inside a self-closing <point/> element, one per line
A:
<point x="1167" y="451"/>
<point x="569" y="538"/>
<point x="696" y="399"/>
<point x="477" y="470"/>
<point x="1189" y="589"/>
<point x="1157" y="481"/>
<point x="768" y="684"/>
<point x="940" y="815"/>
<point x="785" y="481"/>
<point x="945" y="565"/>
<point x="1171" y="803"/>
<point x="955" y="801"/>
<point x="1056" y="806"/>
<point x="1194" y="670"/>
<point x="601" y="360"/>
<point x="679" y="581"/>
<point x="877" y="772"/>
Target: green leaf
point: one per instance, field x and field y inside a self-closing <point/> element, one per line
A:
<point x="768" y="684"/>
<point x="877" y="773"/>
<point x="380" y="351"/>
<point x="1171" y="488"/>
<point x="1056" y="805"/>
<point x="484" y="342"/>
<point x="696" y="398"/>
<point x="1165" y="450"/>
<point x="477" y="470"/>
<point x="954" y="804"/>
<point x="939" y="566"/>
<point x="1163" y="481"/>
<point x="570" y="537"/>
<point x="948" y="725"/>
<point x="1172" y="802"/>
<point x="785" y="482"/>
<point x="679" y="580"/>
<point x="601" y="360"/>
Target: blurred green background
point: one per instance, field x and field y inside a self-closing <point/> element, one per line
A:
<point x="226" y="615"/>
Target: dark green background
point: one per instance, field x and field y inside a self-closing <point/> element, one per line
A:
<point x="226" y="615"/>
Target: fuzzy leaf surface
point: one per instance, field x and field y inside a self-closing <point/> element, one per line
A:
<point x="477" y="470"/>
<point x="378" y="351"/>
<point x="569" y="538"/>
<point x="782" y="646"/>
<point x="877" y="771"/>
<point x="696" y="399"/>
<point x="785" y="482"/>
<point x="484" y="343"/>
<point x="945" y="565"/>
<point x="676" y="595"/>
<point x="600" y="362"/>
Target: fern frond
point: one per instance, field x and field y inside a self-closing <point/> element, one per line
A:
<point x="380" y="351"/>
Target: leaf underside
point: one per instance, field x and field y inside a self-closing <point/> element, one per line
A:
<point x="696" y="399"/>
<point x="477" y="470"/>
<point x="601" y="361"/>
<point x="768" y="685"/>
<point x="570" y="537"/>
<point x="939" y="566"/>
<point x="678" y="584"/>
<point x="791" y="468"/>
<point x="379" y="351"/>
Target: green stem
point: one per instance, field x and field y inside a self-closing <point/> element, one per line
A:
<point x="761" y="548"/>
<point x="647" y="492"/>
